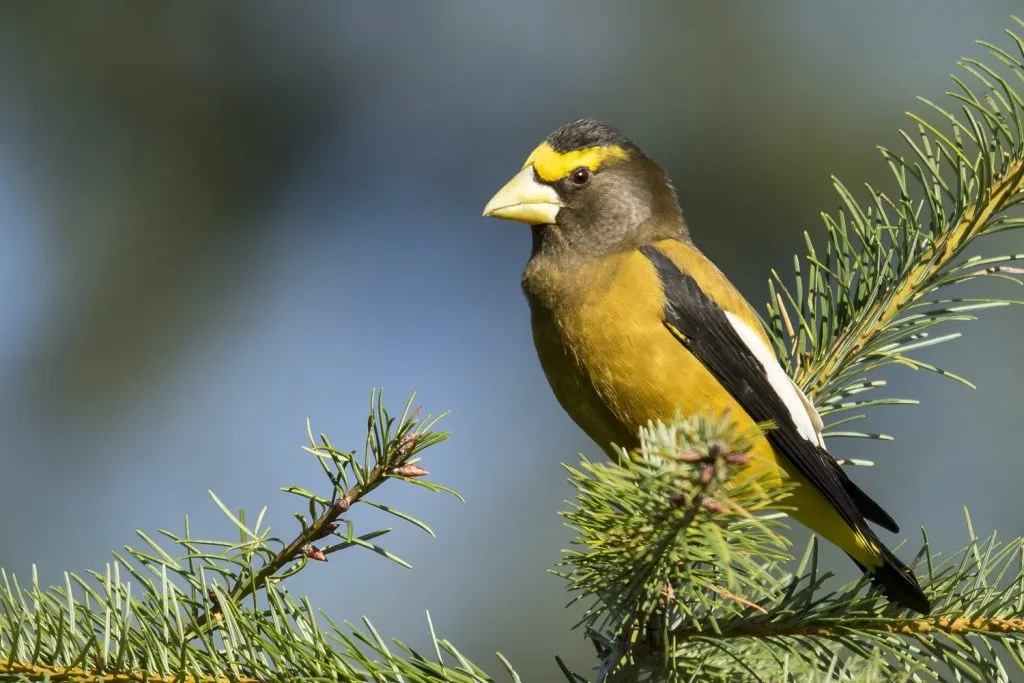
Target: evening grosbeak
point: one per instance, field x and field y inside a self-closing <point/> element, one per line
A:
<point x="632" y="323"/>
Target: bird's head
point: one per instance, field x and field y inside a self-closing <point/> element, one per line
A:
<point x="588" y="188"/>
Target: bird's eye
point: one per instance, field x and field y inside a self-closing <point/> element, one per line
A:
<point x="581" y="175"/>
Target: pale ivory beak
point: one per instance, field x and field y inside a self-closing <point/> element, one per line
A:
<point x="524" y="199"/>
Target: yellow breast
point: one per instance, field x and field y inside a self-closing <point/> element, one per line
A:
<point x="614" y="366"/>
<point x="612" y="363"/>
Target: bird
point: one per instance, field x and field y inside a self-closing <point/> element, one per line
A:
<point x="632" y="323"/>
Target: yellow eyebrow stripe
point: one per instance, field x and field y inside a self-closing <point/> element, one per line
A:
<point x="551" y="165"/>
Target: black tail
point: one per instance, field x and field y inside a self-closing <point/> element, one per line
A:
<point x="898" y="582"/>
<point x="871" y="510"/>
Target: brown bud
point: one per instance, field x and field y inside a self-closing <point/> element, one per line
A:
<point x="410" y="471"/>
<point x="407" y="443"/>
<point x="343" y="505"/>
<point x="678" y="499"/>
<point x="737" y="459"/>
<point x="314" y="553"/>
<point x="708" y="474"/>
<point x="216" y="613"/>
<point x="712" y="505"/>
<point x="690" y="456"/>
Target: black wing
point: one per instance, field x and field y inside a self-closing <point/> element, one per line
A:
<point x="702" y="326"/>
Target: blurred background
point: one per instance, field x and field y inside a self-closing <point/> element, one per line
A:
<point x="217" y="220"/>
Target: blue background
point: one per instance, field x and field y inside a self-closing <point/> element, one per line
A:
<point x="219" y="219"/>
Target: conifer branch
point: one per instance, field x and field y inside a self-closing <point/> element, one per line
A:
<point x="393" y="455"/>
<point x="685" y="572"/>
<point x="684" y="596"/>
<point x="211" y="610"/>
<point x="907" y="626"/>
<point x="872" y="295"/>
<point x="711" y="597"/>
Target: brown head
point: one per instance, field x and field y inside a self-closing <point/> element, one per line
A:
<point x="587" y="190"/>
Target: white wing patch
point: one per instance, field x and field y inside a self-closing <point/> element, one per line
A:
<point x="811" y="412"/>
<point x="805" y="417"/>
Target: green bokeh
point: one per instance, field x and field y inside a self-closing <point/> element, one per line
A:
<point x="219" y="219"/>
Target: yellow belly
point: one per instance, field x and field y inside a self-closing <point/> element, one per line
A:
<point x="614" y="366"/>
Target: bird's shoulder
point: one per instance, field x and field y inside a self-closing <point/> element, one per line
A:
<point x="713" y="319"/>
<point x="562" y="285"/>
<point x="692" y="262"/>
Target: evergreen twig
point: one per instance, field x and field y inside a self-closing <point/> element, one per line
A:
<point x="708" y="596"/>
<point x="685" y="574"/>
<point x="872" y="294"/>
<point x="393" y="455"/>
<point x="213" y="610"/>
